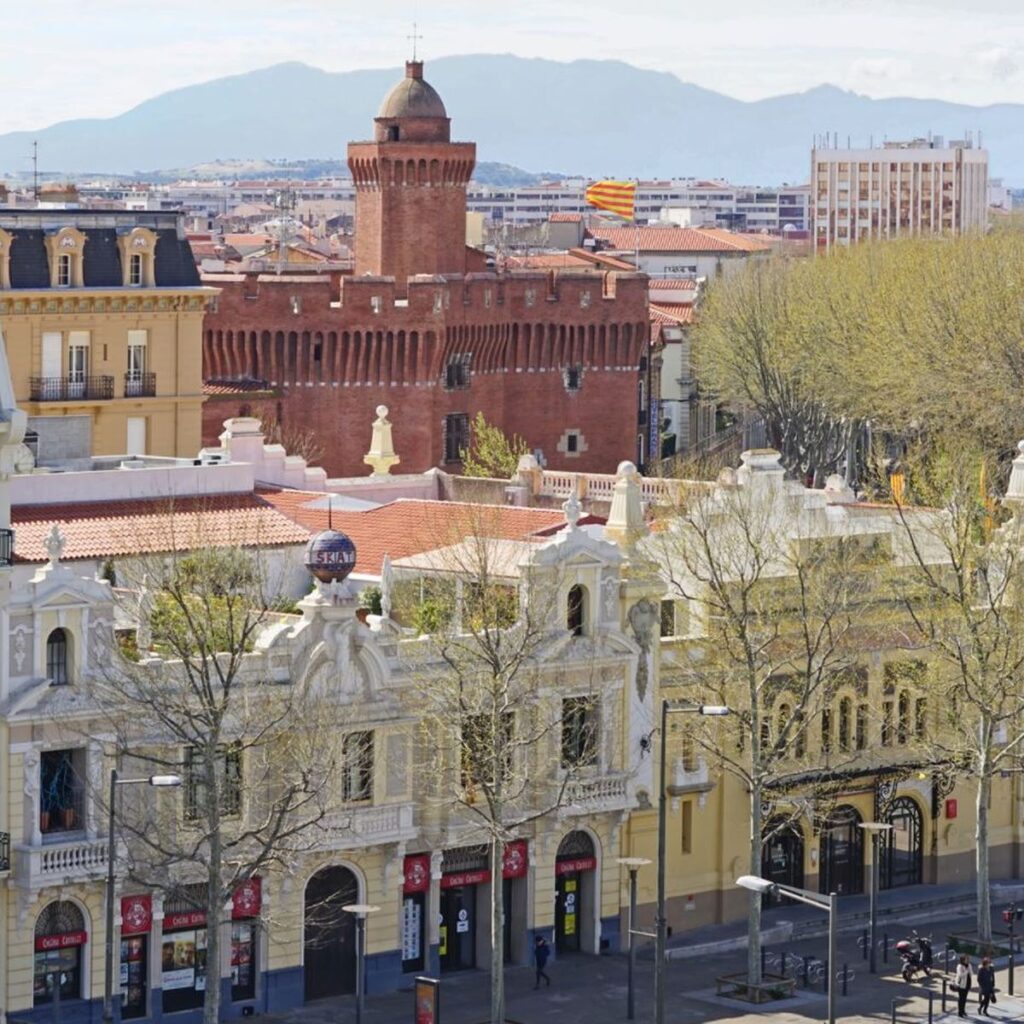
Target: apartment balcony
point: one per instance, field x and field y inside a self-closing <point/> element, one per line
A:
<point x="593" y="796"/>
<point x="70" y="389"/>
<point x="61" y="863"/>
<point x="139" y="385"/>
<point x="361" y="827"/>
<point x="6" y="553"/>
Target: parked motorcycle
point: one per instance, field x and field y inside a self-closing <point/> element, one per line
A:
<point x="915" y="961"/>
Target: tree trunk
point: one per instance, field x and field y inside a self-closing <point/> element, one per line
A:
<point x="497" y="933"/>
<point x="214" y="905"/>
<point x="981" y="856"/>
<point x="754" y="913"/>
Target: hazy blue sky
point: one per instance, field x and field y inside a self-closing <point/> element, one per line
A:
<point x="61" y="59"/>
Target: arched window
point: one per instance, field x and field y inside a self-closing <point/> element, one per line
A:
<point x="576" y="610"/>
<point x="60" y="936"/>
<point x="57" y="657"/>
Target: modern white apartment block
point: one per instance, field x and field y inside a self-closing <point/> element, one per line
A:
<point x="899" y="189"/>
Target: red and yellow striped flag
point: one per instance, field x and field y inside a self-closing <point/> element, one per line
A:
<point x="614" y="196"/>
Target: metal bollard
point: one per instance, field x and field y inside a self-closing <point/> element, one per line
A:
<point x="807" y="964"/>
<point x="865" y="943"/>
<point x="846" y="972"/>
<point x="945" y="985"/>
<point x="893" y="1012"/>
<point x="885" y="948"/>
<point x="931" y="1014"/>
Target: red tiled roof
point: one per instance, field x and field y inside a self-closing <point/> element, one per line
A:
<point x="672" y="239"/>
<point x="107" y="529"/>
<point x="678" y="284"/>
<point x="565" y="218"/>
<point x="670" y="313"/>
<point x="410" y="526"/>
<point x="551" y="261"/>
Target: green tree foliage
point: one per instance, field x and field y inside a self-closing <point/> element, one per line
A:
<point x="491" y="452"/>
<point x="919" y="338"/>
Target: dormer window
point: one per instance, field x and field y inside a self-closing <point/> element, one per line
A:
<point x="64" y="250"/>
<point x="138" y="249"/>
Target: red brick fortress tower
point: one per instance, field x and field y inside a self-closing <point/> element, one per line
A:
<point x="411" y="186"/>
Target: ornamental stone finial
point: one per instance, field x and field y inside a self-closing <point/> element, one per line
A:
<point x="573" y="512"/>
<point x="381" y="456"/>
<point x="55" y="544"/>
<point x="626" y="516"/>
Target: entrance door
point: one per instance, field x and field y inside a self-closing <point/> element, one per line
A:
<point x="78" y="363"/>
<point x="568" y="912"/>
<point x="902" y="848"/>
<point x="782" y="858"/>
<point x="458" y="928"/>
<point x="842" y="853"/>
<point x="330" y="935"/>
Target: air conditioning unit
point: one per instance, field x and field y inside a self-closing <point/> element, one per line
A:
<point x="214" y="457"/>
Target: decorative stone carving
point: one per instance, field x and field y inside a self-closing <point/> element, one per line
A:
<point x="381" y="456"/>
<point x="643" y="616"/>
<point x="54" y="545"/>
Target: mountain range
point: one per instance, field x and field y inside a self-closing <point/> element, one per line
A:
<point x="594" y="118"/>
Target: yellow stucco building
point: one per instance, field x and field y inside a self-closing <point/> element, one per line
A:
<point x="101" y="313"/>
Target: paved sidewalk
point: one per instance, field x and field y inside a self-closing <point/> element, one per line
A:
<point x="592" y="990"/>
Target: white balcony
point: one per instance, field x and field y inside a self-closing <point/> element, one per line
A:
<point x="64" y="863"/>
<point x="357" y="827"/>
<point x="592" y="796"/>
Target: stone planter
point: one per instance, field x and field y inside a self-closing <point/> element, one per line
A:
<point x="771" y="987"/>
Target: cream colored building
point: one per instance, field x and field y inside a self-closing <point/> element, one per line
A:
<point x="900" y="189"/>
<point x="102" y="316"/>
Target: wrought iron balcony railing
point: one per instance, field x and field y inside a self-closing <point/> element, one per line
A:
<point x="62" y="389"/>
<point x="5" y="851"/>
<point x="6" y="548"/>
<point x="139" y="385"/>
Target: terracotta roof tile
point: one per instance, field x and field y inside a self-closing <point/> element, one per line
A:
<point x="108" y="529"/>
<point x="672" y="239"/>
<point x="409" y="526"/>
<point x="671" y="313"/>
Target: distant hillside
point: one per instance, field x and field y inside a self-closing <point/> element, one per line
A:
<point x="602" y="118"/>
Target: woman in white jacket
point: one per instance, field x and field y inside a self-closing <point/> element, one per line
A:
<point x="963" y="984"/>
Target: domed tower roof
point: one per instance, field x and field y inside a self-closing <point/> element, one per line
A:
<point x="413" y="111"/>
<point x="412" y="96"/>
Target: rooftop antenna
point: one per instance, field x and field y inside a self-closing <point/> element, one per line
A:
<point x="415" y="38"/>
<point x="35" y="170"/>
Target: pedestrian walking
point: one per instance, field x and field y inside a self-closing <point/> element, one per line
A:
<point x="541" y="952"/>
<point x="986" y="986"/>
<point x="963" y="984"/>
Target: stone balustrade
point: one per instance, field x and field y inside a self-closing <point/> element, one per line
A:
<point x="77" y="860"/>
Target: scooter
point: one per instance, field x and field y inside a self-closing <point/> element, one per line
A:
<point x="915" y="960"/>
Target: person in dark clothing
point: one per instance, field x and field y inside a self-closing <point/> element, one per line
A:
<point x="986" y="986"/>
<point x="541" y="952"/>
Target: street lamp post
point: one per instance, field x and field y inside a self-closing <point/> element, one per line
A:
<point x="632" y="865"/>
<point x="876" y="830"/>
<point x="361" y="910"/>
<point x="108" y="950"/>
<point x="661" y="923"/>
<point x="827" y="903"/>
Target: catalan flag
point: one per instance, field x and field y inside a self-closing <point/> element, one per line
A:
<point x="614" y="196"/>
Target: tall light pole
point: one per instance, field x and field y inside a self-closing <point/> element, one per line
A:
<point x="827" y="903"/>
<point x="875" y="829"/>
<point x="661" y="922"/>
<point x="632" y="865"/>
<point x="361" y="910"/>
<point x="108" y="951"/>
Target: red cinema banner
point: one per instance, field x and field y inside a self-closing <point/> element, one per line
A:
<point x="64" y="941"/>
<point x="247" y="899"/>
<point x="515" y="862"/>
<point x="416" y="877"/>
<point x="570" y="867"/>
<point x="457" y="879"/>
<point x="136" y="914"/>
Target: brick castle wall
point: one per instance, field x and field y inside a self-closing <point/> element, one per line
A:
<point x="334" y="349"/>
